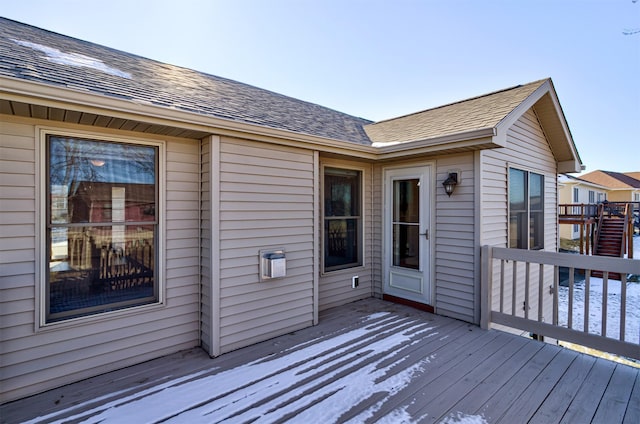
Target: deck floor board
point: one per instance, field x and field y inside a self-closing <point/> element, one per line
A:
<point x="559" y="399"/>
<point x="615" y="400"/>
<point x="633" y="408"/>
<point x="369" y="361"/>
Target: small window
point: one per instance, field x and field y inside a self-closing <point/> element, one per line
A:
<point x="592" y="196"/>
<point x="342" y="219"/>
<point x="101" y="226"/>
<point x="526" y="210"/>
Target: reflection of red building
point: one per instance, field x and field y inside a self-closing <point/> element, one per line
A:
<point x="100" y="202"/>
<point x="111" y="252"/>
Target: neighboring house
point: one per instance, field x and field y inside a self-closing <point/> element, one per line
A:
<point x="148" y="208"/>
<point x="574" y="190"/>
<point x="621" y="186"/>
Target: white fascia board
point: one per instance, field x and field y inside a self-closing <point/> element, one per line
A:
<point x="569" y="166"/>
<point x="465" y="139"/>
<point x="64" y="98"/>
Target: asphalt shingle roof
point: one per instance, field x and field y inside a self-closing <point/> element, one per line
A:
<point x="473" y="114"/>
<point x="34" y="54"/>
<point x="612" y="179"/>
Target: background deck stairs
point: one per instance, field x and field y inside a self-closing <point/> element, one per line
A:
<point x="610" y="242"/>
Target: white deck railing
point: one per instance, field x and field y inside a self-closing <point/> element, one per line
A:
<point x="514" y="277"/>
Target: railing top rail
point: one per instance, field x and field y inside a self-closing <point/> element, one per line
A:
<point x="588" y="210"/>
<point x="601" y="263"/>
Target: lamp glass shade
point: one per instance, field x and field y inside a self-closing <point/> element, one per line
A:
<point x="450" y="183"/>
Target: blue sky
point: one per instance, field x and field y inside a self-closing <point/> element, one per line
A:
<point x="380" y="59"/>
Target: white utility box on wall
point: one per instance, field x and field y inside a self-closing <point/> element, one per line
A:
<point x="273" y="264"/>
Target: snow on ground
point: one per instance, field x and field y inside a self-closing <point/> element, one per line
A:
<point x="318" y="378"/>
<point x="632" y="325"/>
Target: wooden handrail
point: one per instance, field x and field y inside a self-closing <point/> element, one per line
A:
<point x="596" y="233"/>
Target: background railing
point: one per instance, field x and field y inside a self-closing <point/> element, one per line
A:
<point x="514" y="277"/>
<point x="578" y="210"/>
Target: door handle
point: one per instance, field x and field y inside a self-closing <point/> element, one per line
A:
<point x="425" y="234"/>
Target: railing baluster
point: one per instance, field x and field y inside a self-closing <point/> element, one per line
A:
<point x="556" y="285"/>
<point x="540" y="292"/>
<point x="587" y="291"/>
<point x="514" y="288"/>
<point x="570" y="308"/>
<point x="527" y="266"/>
<point x="502" y="286"/>
<point x="623" y="305"/>
<point x="605" y="298"/>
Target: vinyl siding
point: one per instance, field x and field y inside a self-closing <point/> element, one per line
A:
<point x="525" y="135"/>
<point x="266" y="201"/>
<point x="455" y="248"/>
<point x="34" y="361"/>
<point x="377" y="248"/>
<point x="335" y="286"/>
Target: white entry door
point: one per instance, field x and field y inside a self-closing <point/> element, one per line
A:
<point x="407" y="234"/>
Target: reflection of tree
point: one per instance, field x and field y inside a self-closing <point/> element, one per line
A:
<point x="83" y="169"/>
<point x="72" y="161"/>
<point x="633" y="30"/>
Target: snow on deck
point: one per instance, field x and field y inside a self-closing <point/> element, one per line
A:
<point x="613" y="310"/>
<point x="370" y="361"/>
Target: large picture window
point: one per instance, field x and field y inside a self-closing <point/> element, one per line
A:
<point x="526" y="210"/>
<point x="101" y="226"/>
<point x="342" y="219"/>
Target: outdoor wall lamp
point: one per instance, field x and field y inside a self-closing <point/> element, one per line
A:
<point x="450" y="183"/>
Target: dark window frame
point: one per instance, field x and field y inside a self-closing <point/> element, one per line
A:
<point x="347" y="225"/>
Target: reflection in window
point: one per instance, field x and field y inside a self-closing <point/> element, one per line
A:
<point x="526" y="210"/>
<point x="101" y="226"/>
<point x="342" y="219"/>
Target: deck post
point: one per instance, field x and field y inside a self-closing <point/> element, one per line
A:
<point x="486" y="279"/>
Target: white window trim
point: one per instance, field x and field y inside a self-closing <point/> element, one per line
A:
<point x="363" y="175"/>
<point x="41" y="219"/>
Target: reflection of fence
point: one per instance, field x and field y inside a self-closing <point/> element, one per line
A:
<point x="113" y="266"/>
<point x="337" y="240"/>
<point x="523" y="289"/>
<point x="124" y="268"/>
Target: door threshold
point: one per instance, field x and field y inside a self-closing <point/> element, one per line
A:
<point x="407" y="302"/>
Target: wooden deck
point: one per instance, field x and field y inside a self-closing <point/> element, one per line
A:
<point x="369" y="361"/>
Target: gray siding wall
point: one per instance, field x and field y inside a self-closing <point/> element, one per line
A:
<point x="335" y="286"/>
<point x="455" y="249"/>
<point x="529" y="150"/>
<point x="266" y="201"/>
<point x="377" y="211"/>
<point x="35" y="360"/>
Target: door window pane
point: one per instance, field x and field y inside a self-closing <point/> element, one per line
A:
<point x="406" y="246"/>
<point x="406" y="223"/>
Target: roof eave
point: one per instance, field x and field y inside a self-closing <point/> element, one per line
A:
<point x="468" y="140"/>
<point x="60" y="97"/>
<point x="568" y="163"/>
